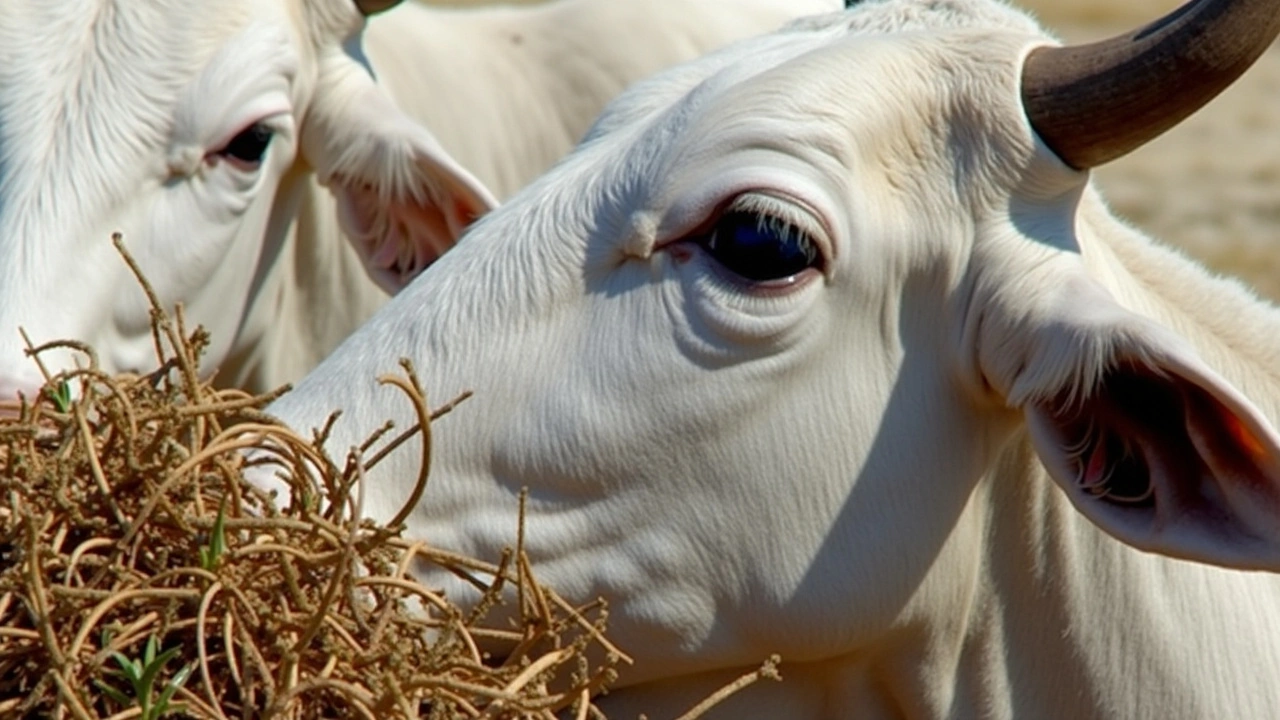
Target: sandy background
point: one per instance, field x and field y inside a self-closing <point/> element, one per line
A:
<point x="1211" y="186"/>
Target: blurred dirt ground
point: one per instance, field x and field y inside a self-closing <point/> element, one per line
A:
<point x="1211" y="186"/>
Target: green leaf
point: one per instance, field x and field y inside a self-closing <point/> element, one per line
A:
<point x="154" y="667"/>
<point x="176" y="682"/>
<point x="210" y="554"/>
<point x="131" y="669"/>
<point x="115" y="694"/>
<point x="61" y="396"/>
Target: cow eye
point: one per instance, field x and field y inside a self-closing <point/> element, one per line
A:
<point x="761" y="247"/>
<point x="249" y="145"/>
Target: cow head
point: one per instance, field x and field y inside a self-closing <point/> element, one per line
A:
<point x="189" y="128"/>
<point x="752" y="347"/>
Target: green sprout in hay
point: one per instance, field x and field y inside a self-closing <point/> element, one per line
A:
<point x="211" y="553"/>
<point x="142" y="676"/>
<point x="60" y="395"/>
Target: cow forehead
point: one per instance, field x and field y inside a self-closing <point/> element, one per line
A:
<point x="88" y="93"/>
<point x="741" y="61"/>
<point x="831" y="94"/>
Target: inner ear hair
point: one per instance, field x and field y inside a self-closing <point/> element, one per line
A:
<point x="1150" y="452"/>
<point x="1107" y="431"/>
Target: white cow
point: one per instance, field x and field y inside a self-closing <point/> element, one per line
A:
<point x="204" y="130"/>
<point x="815" y="346"/>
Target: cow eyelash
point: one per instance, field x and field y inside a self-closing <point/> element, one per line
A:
<point x="775" y="210"/>
<point x="764" y="240"/>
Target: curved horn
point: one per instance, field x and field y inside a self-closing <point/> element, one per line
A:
<point x="1093" y="103"/>
<point x="373" y="7"/>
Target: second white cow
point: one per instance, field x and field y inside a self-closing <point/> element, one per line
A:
<point x="822" y="346"/>
<point x="204" y="131"/>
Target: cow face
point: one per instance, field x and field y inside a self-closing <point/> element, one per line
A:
<point x="715" y="343"/>
<point x="753" y="347"/>
<point x="189" y="129"/>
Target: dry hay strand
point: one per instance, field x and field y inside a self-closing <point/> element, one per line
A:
<point x="140" y="574"/>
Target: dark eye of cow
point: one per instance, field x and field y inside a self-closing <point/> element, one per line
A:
<point x="761" y="247"/>
<point x="249" y="145"/>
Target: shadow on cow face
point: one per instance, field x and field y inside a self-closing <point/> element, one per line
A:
<point x="192" y="130"/>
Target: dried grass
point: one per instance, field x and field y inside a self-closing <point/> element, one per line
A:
<point x="110" y="499"/>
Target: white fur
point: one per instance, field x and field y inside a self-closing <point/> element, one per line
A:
<point x="108" y="111"/>
<point x="838" y="470"/>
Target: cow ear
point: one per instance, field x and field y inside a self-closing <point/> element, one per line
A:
<point x="399" y="229"/>
<point x="402" y="200"/>
<point x="1147" y="441"/>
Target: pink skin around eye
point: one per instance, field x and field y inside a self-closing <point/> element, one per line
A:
<point x="214" y="158"/>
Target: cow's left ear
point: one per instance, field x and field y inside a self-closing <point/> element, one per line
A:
<point x="402" y="200"/>
<point x="1148" y="442"/>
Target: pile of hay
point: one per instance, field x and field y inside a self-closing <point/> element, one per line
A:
<point x="140" y="574"/>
